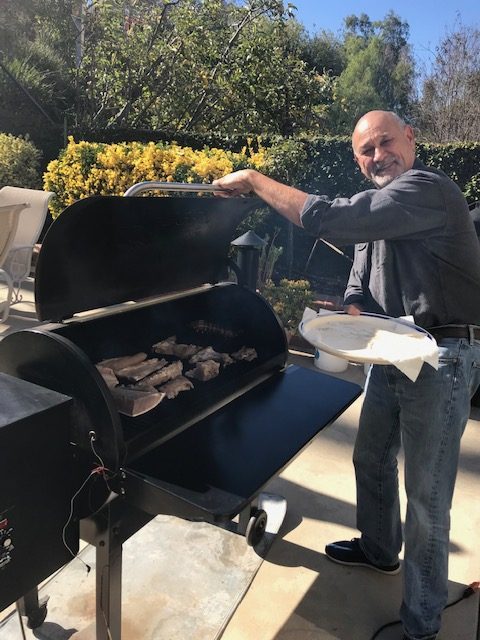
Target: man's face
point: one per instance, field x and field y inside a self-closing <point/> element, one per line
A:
<point x="383" y="147"/>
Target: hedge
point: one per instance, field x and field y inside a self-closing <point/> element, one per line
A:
<point x="320" y="165"/>
<point x="194" y="140"/>
<point x="19" y="162"/>
<point x="326" y="165"/>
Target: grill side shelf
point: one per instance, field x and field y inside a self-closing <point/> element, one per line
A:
<point x="214" y="469"/>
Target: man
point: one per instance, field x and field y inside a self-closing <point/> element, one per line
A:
<point x="416" y="254"/>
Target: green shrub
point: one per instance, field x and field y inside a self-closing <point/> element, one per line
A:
<point x="19" y="162"/>
<point x="289" y="299"/>
<point x="326" y="165"/>
<point x="317" y="165"/>
<point x="460" y="161"/>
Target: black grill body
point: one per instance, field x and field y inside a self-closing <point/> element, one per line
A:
<point x="151" y="268"/>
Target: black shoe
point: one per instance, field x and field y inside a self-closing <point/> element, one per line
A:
<point x="348" y="552"/>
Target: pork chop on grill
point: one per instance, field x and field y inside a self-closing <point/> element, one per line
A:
<point x="133" y="402"/>
<point x="165" y="374"/>
<point x="204" y="371"/>
<point x="123" y="361"/>
<point x="209" y="353"/>
<point x="108" y="375"/>
<point x="136" y="372"/>
<point x="170" y="347"/>
<point x="140" y="386"/>
<point x="245" y="353"/>
<point x="174" y="387"/>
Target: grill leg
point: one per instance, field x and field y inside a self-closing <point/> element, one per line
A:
<point x="34" y="609"/>
<point x="107" y="530"/>
<point x="109" y="586"/>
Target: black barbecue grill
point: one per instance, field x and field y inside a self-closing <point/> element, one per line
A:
<point x="116" y="275"/>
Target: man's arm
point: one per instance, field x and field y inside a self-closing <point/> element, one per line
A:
<point x="288" y="201"/>
<point x="353" y="302"/>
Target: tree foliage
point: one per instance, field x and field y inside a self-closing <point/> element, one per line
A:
<point x="221" y="66"/>
<point x="191" y="65"/>
<point x="36" y="49"/>
<point x="182" y="64"/>
<point x="450" y="106"/>
<point x="324" y="52"/>
<point x="379" y="69"/>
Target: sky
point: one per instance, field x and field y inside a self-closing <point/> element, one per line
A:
<point x="429" y="20"/>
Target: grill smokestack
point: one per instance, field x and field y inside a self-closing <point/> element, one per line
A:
<point x="249" y="247"/>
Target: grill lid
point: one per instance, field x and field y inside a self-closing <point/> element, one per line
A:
<point x="105" y="250"/>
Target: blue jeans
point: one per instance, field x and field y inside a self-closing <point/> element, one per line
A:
<point x="428" y="418"/>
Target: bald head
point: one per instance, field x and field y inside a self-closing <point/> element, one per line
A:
<point x="383" y="146"/>
<point x="378" y="116"/>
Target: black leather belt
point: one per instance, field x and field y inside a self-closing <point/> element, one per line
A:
<point x="468" y="331"/>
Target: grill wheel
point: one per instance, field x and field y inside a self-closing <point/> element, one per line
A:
<point x="256" y="527"/>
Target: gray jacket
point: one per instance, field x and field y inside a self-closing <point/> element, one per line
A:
<point x="416" y="250"/>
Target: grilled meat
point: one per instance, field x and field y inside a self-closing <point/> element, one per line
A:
<point x="165" y="374"/>
<point x="245" y="353"/>
<point x="210" y="354"/>
<point x="212" y="328"/>
<point x="108" y="375"/>
<point x="170" y="347"/>
<point x="123" y="361"/>
<point x="133" y="402"/>
<point x="136" y="372"/>
<point x="204" y="370"/>
<point x="174" y="387"/>
<point x="141" y="386"/>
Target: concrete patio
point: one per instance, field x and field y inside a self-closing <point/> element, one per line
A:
<point x="297" y="593"/>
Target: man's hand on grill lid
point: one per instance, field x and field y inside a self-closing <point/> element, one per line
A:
<point x="288" y="201"/>
<point x="235" y="184"/>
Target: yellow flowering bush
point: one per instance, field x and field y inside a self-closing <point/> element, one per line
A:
<point x="94" y="168"/>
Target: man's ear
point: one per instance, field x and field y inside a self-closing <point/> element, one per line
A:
<point x="410" y="134"/>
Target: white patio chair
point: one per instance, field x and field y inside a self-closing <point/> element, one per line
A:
<point x="19" y="261"/>
<point x="9" y="217"/>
